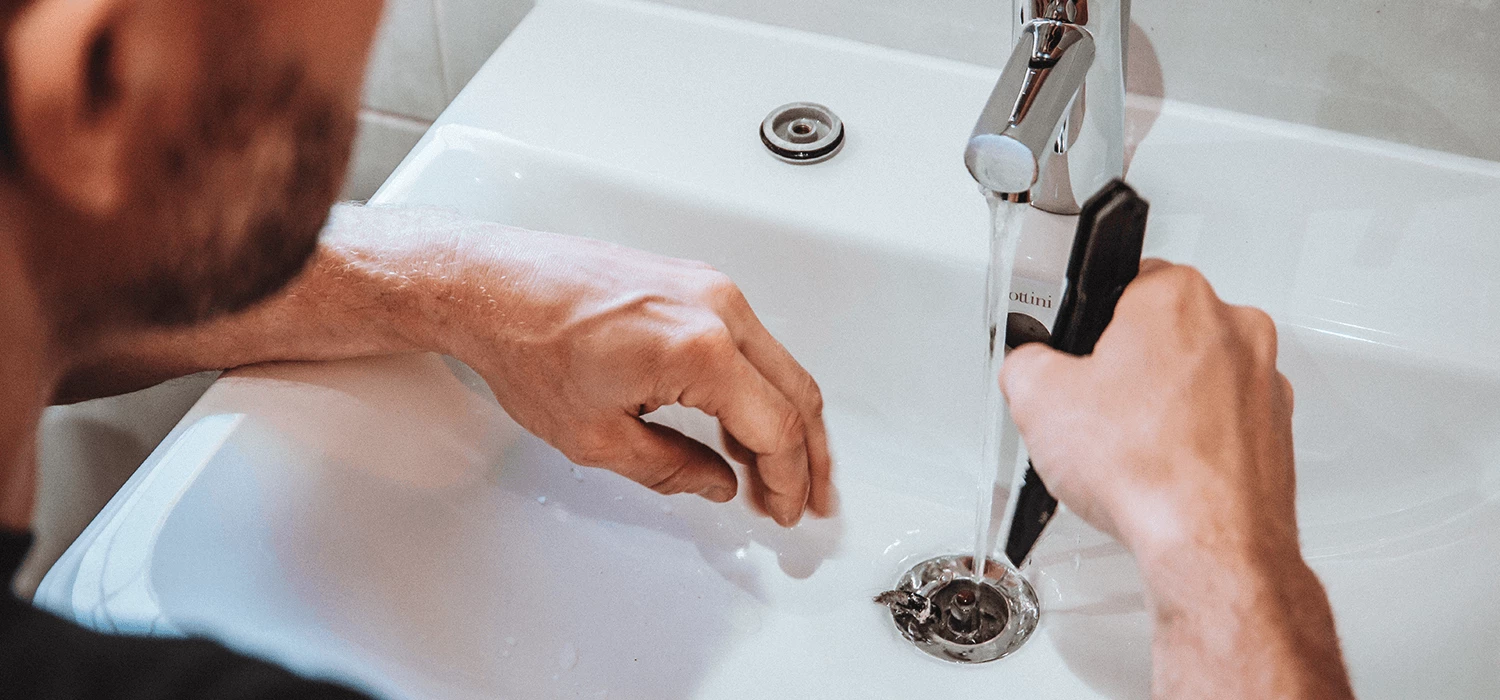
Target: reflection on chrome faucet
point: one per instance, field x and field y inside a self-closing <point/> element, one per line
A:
<point x="1053" y="131"/>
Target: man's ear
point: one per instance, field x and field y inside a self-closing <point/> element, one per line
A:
<point x="70" y="100"/>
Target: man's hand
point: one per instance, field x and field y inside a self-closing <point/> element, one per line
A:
<point x="1177" y="426"/>
<point x="579" y="338"/>
<point x="1175" y="435"/>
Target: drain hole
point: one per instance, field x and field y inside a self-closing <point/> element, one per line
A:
<point x="940" y="607"/>
<point x="969" y="612"/>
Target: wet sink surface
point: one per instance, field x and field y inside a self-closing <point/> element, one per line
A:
<point x="382" y="521"/>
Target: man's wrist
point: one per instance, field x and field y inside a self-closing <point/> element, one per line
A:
<point x="1195" y="569"/>
<point x="1260" y="608"/>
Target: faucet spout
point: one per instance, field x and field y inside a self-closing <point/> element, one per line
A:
<point x="1053" y="132"/>
<point x="1029" y="107"/>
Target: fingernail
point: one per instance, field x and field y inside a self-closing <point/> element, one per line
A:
<point x="717" y="494"/>
<point x="785" y="510"/>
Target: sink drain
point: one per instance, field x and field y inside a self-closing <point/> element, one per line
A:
<point x="940" y="606"/>
<point x="802" y="133"/>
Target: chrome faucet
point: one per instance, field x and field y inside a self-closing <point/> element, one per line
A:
<point x="1053" y="131"/>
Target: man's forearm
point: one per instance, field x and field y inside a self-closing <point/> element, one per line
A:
<point x="360" y="295"/>
<point x="1255" y="626"/>
<point x="575" y="336"/>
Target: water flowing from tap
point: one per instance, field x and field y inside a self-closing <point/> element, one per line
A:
<point x="1002" y="442"/>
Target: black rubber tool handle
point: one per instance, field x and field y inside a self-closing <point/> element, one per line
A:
<point x="1106" y="257"/>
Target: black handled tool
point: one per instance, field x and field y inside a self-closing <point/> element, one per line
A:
<point x="1106" y="257"/>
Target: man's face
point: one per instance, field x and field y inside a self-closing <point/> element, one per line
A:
<point x="183" y="153"/>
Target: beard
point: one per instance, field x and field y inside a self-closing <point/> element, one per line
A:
<point x="224" y="280"/>
<point x="254" y="228"/>
<point x="238" y="194"/>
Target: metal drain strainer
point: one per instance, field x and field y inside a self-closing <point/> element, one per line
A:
<point x="941" y="607"/>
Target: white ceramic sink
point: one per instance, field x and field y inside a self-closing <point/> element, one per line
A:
<point x="384" y="523"/>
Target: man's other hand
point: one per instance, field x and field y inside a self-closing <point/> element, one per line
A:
<point x="580" y="338"/>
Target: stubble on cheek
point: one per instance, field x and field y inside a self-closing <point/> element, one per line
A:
<point x="240" y="195"/>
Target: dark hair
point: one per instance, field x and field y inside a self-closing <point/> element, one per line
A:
<point x="9" y="158"/>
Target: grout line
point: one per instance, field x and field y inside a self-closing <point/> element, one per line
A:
<point x="405" y="120"/>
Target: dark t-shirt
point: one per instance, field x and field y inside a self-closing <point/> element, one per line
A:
<point x="43" y="657"/>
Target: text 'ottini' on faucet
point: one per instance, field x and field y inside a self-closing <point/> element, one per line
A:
<point x="1053" y="131"/>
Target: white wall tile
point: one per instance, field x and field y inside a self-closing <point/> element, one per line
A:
<point x="1425" y="73"/>
<point x="470" y="30"/>
<point x="379" y="145"/>
<point x="405" y="75"/>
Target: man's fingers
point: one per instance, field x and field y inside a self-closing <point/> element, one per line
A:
<point x="669" y="462"/>
<point x="1288" y="394"/>
<point x="755" y="487"/>
<point x="1029" y="373"/>
<point x="756" y="413"/>
<point x="1149" y="265"/>
<point x="737" y="452"/>
<point x="783" y="372"/>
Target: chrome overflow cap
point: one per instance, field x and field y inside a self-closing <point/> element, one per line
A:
<point x="945" y="610"/>
<point x="802" y="133"/>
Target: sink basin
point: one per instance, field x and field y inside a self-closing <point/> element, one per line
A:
<point x="382" y="521"/>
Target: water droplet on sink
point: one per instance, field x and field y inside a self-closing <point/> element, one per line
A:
<point x="741" y="553"/>
<point x="1077" y="561"/>
<point x="619" y="498"/>
<point x="577" y="474"/>
<point x="542" y="500"/>
<point x="568" y="658"/>
<point x="510" y="641"/>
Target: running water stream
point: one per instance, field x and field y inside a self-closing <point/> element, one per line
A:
<point x="1002" y="442"/>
